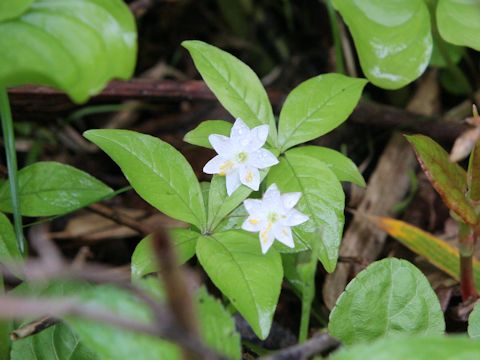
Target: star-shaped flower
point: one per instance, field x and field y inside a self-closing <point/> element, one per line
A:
<point x="272" y="217"/>
<point x="240" y="156"/>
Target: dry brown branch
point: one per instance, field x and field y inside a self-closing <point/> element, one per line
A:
<point x="33" y="327"/>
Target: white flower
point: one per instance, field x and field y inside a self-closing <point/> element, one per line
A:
<point x="273" y="216"/>
<point x="240" y="156"/>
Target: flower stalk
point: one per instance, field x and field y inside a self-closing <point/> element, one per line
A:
<point x="9" y="141"/>
<point x="467" y="281"/>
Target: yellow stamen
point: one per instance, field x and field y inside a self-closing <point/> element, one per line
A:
<point x="253" y="221"/>
<point x="249" y="176"/>
<point x="264" y="233"/>
<point x="225" y="167"/>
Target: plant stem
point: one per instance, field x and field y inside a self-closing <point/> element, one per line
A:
<point x="9" y="141"/>
<point x="332" y="16"/>
<point x="467" y="280"/>
<point x="308" y="292"/>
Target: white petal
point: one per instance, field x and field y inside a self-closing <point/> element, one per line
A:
<point x="258" y="136"/>
<point x="214" y="165"/>
<point x="294" y="218"/>
<point x="252" y="224"/>
<point x="284" y="235"/>
<point x="253" y="206"/>
<point x="239" y="130"/>
<point x="291" y="199"/>
<point x="262" y="159"/>
<point x="266" y="237"/>
<point x="233" y="182"/>
<point x="249" y="176"/>
<point x="221" y="144"/>
<point x="272" y="197"/>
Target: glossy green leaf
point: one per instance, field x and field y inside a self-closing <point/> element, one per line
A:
<point x="8" y="243"/>
<point x="412" y="348"/>
<point x="473" y="175"/>
<point x="236" y="86"/>
<point x="157" y="171"/>
<point x="251" y="281"/>
<point x="392" y="38"/>
<point x="51" y="188"/>
<point x="199" y="135"/>
<point x="144" y="262"/>
<point x="322" y="200"/>
<point x="389" y="297"/>
<point x="437" y="251"/>
<point x="458" y="22"/>
<point x="12" y="9"/>
<point x="217" y="326"/>
<point x="316" y="107"/>
<point x="474" y="323"/>
<point x="74" y="45"/>
<point x="448" y="178"/>
<point x="343" y="168"/>
<point x="58" y="342"/>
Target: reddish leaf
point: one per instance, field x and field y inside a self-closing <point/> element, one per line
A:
<point x="439" y="253"/>
<point x="448" y="178"/>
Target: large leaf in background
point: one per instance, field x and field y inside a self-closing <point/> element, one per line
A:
<point x="74" y="45"/>
<point x="389" y="297"/>
<point x="8" y="243"/>
<point x="5" y="329"/>
<point x="199" y="135"/>
<point x="412" y="348"/>
<point x="158" y="172"/>
<point x="51" y="188"/>
<point x="392" y="38"/>
<point x="458" y="22"/>
<point x="448" y="178"/>
<point x="144" y="261"/>
<point x="439" y="253"/>
<point x="473" y="176"/>
<point x="58" y="342"/>
<point x="316" y="107"/>
<point x="217" y="326"/>
<point x="343" y="168"/>
<point x="251" y="281"/>
<point x="474" y="322"/>
<point x="116" y="343"/>
<point x="236" y="86"/>
<point x="322" y="200"/>
<point x="11" y="9"/>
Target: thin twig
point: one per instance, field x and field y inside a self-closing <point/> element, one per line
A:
<point x="33" y="327"/>
<point x="318" y="344"/>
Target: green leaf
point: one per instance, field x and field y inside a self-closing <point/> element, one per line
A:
<point x="458" y="22"/>
<point x="58" y="342"/>
<point x="76" y="46"/>
<point x="116" y="343"/>
<point x="392" y="38"/>
<point x="474" y="323"/>
<point x="220" y="204"/>
<point x="412" y="348"/>
<point x="251" y="281"/>
<point x="5" y="329"/>
<point x="199" y="135"/>
<point x="448" y="178"/>
<point x="473" y="176"/>
<point x="389" y="297"/>
<point x="235" y="85"/>
<point x="343" y="168"/>
<point x="12" y="9"/>
<point x="144" y="261"/>
<point x="453" y="52"/>
<point x="8" y="243"/>
<point x="51" y="188"/>
<point x="217" y="326"/>
<point x="316" y="107"/>
<point x="322" y="200"/>
<point x="437" y="251"/>
<point x="157" y="171"/>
